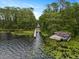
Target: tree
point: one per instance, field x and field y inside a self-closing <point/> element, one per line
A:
<point x="65" y="20"/>
<point x="17" y="18"/>
<point x="67" y="4"/>
<point x="54" y="6"/>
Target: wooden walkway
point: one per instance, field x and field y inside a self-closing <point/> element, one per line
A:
<point x="36" y="30"/>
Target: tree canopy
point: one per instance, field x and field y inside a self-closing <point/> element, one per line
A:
<point x="17" y="18"/>
<point x="62" y="20"/>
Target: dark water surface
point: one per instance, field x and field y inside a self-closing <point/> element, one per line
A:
<point x="21" y="47"/>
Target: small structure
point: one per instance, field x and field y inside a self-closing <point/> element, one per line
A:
<point x="37" y="29"/>
<point x="61" y="36"/>
<point x="35" y="33"/>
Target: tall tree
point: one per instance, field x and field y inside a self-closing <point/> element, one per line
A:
<point x="62" y="4"/>
<point x="17" y="18"/>
<point x="54" y="6"/>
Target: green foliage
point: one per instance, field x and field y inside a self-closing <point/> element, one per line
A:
<point x="64" y="20"/>
<point x="17" y="18"/>
<point x="22" y="32"/>
<point x="62" y="50"/>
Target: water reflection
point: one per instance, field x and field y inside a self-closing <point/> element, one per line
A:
<point x="37" y="42"/>
<point x="20" y="47"/>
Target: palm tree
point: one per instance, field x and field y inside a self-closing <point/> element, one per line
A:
<point x="62" y="4"/>
<point x="48" y="8"/>
<point x="54" y="7"/>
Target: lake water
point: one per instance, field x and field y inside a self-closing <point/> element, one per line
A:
<point x="21" y="47"/>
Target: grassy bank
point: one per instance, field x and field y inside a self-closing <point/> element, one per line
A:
<point x="63" y="49"/>
<point x="18" y="32"/>
<point x="26" y="33"/>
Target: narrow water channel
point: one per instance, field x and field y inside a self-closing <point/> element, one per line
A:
<point x="21" y="47"/>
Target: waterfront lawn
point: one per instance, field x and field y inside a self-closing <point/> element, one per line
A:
<point x="26" y="33"/>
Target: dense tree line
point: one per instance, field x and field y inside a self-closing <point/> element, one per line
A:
<point x="55" y="18"/>
<point x="61" y="16"/>
<point x="17" y="18"/>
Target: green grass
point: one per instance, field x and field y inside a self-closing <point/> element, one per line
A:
<point x="63" y="49"/>
<point x="30" y="33"/>
<point x="18" y="32"/>
<point x="44" y="34"/>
